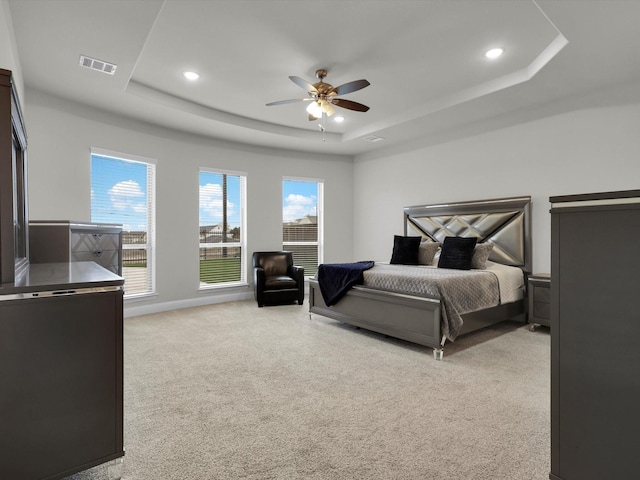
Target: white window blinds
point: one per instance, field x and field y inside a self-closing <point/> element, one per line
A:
<point x="302" y="222"/>
<point x="123" y="192"/>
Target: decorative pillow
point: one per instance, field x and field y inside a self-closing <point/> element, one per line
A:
<point x="427" y="251"/>
<point x="457" y="253"/>
<point x="405" y="250"/>
<point x="481" y="255"/>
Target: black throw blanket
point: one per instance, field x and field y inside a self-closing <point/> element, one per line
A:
<point x="335" y="279"/>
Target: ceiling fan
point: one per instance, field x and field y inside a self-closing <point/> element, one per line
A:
<point x="323" y="96"/>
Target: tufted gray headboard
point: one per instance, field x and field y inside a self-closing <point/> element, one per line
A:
<point x="504" y="222"/>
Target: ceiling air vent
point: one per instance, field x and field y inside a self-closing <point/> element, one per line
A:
<point x="373" y="138"/>
<point x="99" y="65"/>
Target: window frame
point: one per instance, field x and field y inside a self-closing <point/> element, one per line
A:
<point x="150" y="246"/>
<point x="242" y="244"/>
<point x="319" y="215"/>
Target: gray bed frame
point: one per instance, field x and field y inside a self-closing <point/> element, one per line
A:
<point x="503" y="222"/>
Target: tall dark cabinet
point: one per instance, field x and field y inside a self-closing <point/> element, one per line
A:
<point x="14" y="242"/>
<point x="61" y="372"/>
<point x="595" y="336"/>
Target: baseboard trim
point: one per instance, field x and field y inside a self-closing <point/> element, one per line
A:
<point x="134" y="311"/>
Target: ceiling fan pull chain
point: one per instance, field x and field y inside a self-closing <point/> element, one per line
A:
<point x="322" y="129"/>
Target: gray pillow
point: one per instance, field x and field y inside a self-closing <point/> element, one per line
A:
<point x="427" y="251"/>
<point x="480" y="255"/>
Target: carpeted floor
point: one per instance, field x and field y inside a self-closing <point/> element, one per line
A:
<point x="232" y="391"/>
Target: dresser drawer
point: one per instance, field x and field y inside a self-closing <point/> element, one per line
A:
<point x="101" y="257"/>
<point x="89" y="242"/>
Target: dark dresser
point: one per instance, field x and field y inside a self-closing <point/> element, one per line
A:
<point x="595" y="336"/>
<point x="61" y="400"/>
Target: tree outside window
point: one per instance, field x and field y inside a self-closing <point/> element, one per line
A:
<point x="221" y="231"/>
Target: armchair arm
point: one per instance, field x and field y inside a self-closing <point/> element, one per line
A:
<point x="297" y="273"/>
<point x="259" y="281"/>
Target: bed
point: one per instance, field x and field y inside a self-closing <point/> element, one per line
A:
<point x="503" y="224"/>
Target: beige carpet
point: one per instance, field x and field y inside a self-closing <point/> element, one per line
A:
<point x="233" y="391"/>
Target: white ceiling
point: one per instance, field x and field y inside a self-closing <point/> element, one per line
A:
<point x="430" y="81"/>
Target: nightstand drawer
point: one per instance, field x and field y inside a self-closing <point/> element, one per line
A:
<point x="541" y="294"/>
<point x="539" y="299"/>
<point x="541" y="310"/>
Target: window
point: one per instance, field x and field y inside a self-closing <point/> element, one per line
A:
<point x="123" y="192"/>
<point x="302" y="222"/>
<point x="222" y="228"/>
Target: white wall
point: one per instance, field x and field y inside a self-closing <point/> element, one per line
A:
<point x="8" y="50"/>
<point x="61" y="134"/>
<point x="583" y="151"/>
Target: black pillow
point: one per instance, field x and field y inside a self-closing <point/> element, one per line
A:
<point x="405" y="250"/>
<point x="457" y="252"/>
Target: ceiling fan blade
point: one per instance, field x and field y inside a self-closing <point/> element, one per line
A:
<point x="348" y="104"/>
<point x="303" y="83"/>
<point x="283" y="102"/>
<point x="349" y="87"/>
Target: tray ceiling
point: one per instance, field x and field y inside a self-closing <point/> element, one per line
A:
<point x="424" y="59"/>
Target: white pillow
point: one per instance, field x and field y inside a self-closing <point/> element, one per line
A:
<point x="427" y="251"/>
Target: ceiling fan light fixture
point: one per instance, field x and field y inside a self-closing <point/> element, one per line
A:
<point x="326" y="107"/>
<point x="314" y="109"/>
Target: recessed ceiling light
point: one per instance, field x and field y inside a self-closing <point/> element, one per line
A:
<point x="494" y="53"/>
<point x="338" y="119"/>
<point x="191" y="75"/>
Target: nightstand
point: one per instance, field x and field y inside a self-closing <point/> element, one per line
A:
<point x="539" y="300"/>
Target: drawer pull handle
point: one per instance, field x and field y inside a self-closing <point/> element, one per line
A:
<point x="97" y="254"/>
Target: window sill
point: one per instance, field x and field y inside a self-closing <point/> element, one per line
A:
<point x="139" y="297"/>
<point x="205" y="288"/>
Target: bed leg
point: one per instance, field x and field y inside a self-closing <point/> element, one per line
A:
<point x="438" y="353"/>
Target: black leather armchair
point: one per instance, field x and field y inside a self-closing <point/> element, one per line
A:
<point x="276" y="279"/>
